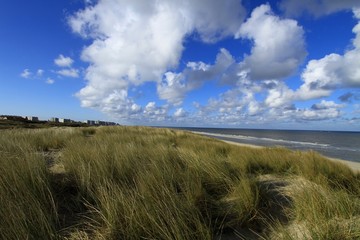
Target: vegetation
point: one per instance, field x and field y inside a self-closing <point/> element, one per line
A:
<point x="147" y="183"/>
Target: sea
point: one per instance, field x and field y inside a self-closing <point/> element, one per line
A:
<point x="334" y="144"/>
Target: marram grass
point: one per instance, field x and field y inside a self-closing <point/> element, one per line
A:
<point x="148" y="183"/>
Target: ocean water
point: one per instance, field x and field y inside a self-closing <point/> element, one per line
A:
<point x="335" y="144"/>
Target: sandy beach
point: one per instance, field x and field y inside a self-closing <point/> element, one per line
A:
<point x="355" y="166"/>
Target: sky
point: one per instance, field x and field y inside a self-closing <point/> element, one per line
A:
<point x="283" y="64"/>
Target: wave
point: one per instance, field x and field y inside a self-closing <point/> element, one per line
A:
<point x="281" y="141"/>
<point x="335" y="145"/>
<point x="292" y="143"/>
<point x="264" y="139"/>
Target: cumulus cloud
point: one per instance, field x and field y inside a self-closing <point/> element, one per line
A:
<point x="279" y="95"/>
<point x="29" y="74"/>
<point x="134" y="42"/>
<point x="62" y="61"/>
<point x="155" y="113"/>
<point x="50" y="81"/>
<point x="321" y="111"/>
<point x="38" y="75"/>
<point x="229" y="15"/>
<point x="138" y="41"/>
<point x="279" y="45"/>
<point x="325" y="105"/>
<point x="26" y="73"/>
<point x="233" y="106"/>
<point x="356" y="11"/>
<point x="320" y="77"/>
<point x="244" y="105"/>
<point x="180" y="113"/>
<point x="317" y="7"/>
<point x="268" y="63"/>
<point x="69" y="72"/>
<point x="331" y="72"/>
<point x="174" y="86"/>
<point x="254" y="112"/>
<point x="40" y="72"/>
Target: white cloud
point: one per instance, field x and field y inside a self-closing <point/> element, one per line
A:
<point x="357" y="12"/>
<point x="356" y="29"/>
<point x="271" y="35"/>
<point x="180" y="113"/>
<point x="268" y="64"/>
<point x="69" y="72"/>
<point x="254" y="108"/>
<point x="50" y="81"/>
<point x="229" y="15"/>
<point x="26" y="73"/>
<point x="62" y="61"/>
<point x="198" y="72"/>
<point x="279" y="95"/>
<point x="324" y="110"/>
<point x="154" y="113"/>
<point x="138" y="41"/>
<point x="317" y="7"/>
<point x="40" y="72"/>
<point x="326" y="105"/>
<point x="174" y="86"/>
<point x="321" y="77"/>
<point x="134" y="108"/>
<point x="232" y="107"/>
<point x="248" y="111"/>
<point x="262" y="102"/>
<point x="134" y="42"/>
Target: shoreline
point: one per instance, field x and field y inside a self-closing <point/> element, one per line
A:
<point x="355" y="166"/>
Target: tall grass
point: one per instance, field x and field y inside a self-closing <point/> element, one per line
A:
<point x="27" y="209"/>
<point x="147" y="183"/>
<point x="320" y="212"/>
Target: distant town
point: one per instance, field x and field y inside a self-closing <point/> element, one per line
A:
<point x="56" y="120"/>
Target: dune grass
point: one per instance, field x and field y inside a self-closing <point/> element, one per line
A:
<point x="148" y="183"/>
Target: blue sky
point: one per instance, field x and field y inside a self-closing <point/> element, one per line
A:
<point x="283" y="64"/>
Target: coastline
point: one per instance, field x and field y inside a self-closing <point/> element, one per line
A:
<point x="352" y="165"/>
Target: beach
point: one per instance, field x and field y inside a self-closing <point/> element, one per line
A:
<point x="355" y="166"/>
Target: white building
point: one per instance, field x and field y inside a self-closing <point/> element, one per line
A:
<point x="64" y="120"/>
<point x="54" y="119"/>
<point x="32" y="118"/>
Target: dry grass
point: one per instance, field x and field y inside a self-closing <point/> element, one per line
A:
<point x="146" y="183"/>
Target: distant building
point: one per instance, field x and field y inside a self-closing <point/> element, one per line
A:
<point x="32" y="118"/>
<point x="64" y="120"/>
<point x="90" y="122"/>
<point x="54" y="119"/>
<point x="110" y="124"/>
<point x="99" y="123"/>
